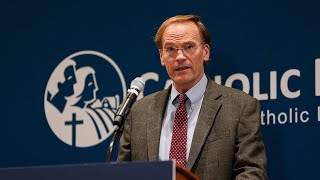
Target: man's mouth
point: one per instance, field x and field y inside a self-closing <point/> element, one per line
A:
<point x="181" y="68"/>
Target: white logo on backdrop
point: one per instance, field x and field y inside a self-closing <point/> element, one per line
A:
<point x="74" y="112"/>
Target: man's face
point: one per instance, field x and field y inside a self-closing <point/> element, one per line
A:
<point x="184" y="66"/>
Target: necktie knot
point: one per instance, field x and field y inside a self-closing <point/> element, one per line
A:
<point x="182" y="99"/>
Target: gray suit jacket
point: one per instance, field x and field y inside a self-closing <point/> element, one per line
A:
<point x="227" y="143"/>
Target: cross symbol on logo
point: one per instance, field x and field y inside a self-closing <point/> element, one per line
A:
<point x="74" y="122"/>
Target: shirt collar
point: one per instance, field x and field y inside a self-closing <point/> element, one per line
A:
<point x="194" y="94"/>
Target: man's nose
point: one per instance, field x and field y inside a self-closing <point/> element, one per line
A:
<point x="180" y="55"/>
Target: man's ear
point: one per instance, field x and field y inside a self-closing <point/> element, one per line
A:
<point x="161" y="57"/>
<point x="162" y="63"/>
<point x="207" y="52"/>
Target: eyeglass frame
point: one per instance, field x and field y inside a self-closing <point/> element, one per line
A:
<point x="183" y="50"/>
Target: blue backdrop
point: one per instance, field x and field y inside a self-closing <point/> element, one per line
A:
<point x="268" y="49"/>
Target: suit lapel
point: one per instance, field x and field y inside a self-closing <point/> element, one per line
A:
<point x="154" y="124"/>
<point x="209" y="108"/>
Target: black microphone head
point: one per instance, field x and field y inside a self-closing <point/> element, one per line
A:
<point x="137" y="83"/>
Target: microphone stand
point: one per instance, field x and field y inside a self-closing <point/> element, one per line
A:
<point x="117" y="133"/>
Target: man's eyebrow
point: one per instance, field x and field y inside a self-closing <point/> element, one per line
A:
<point x="168" y="44"/>
<point x="183" y="43"/>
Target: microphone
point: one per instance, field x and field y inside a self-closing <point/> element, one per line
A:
<point x="136" y="86"/>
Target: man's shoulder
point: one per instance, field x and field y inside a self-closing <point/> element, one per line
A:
<point x="152" y="98"/>
<point x="229" y="92"/>
<point x="231" y="97"/>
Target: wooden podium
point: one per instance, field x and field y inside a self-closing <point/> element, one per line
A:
<point x="184" y="174"/>
<point x="158" y="170"/>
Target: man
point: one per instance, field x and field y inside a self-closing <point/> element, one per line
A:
<point x="222" y="132"/>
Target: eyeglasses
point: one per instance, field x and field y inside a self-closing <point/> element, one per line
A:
<point x="187" y="50"/>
